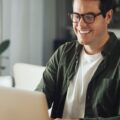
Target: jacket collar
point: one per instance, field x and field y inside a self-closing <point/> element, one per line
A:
<point x="109" y="46"/>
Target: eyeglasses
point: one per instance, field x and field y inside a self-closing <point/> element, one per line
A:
<point x="88" y="17"/>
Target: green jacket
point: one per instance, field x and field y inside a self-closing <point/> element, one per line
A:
<point x="103" y="92"/>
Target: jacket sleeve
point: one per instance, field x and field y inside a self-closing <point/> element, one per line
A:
<point x="48" y="81"/>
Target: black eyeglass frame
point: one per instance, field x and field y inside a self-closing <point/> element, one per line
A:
<point x="83" y="16"/>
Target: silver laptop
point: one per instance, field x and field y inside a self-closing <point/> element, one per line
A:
<point x="18" y="104"/>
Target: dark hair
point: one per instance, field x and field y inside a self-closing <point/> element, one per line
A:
<point x="105" y="6"/>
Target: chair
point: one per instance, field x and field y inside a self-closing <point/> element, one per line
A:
<point x="27" y="76"/>
<point x="6" y="81"/>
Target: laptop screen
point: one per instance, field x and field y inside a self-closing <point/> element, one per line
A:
<point x="18" y="104"/>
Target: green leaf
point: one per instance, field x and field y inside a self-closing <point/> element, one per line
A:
<point x="4" y="45"/>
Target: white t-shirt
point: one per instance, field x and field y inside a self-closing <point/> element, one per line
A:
<point x="76" y="94"/>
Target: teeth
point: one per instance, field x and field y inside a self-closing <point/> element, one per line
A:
<point x="87" y="31"/>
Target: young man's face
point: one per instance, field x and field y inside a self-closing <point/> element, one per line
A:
<point x="90" y="33"/>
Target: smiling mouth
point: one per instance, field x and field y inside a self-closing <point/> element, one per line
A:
<point x="84" y="31"/>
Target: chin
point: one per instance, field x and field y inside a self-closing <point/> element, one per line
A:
<point x="82" y="42"/>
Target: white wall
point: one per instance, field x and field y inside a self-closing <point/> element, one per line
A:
<point x="49" y="30"/>
<point x="20" y="31"/>
<point x="31" y="36"/>
<point x="5" y="33"/>
<point x="36" y="31"/>
<point x="1" y="20"/>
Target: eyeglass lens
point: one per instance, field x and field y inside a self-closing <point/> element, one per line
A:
<point x="88" y="18"/>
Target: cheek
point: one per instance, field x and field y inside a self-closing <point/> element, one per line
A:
<point x="74" y="27"/>
<point x="99" y="30"/>
<point x="99" y="26"/>
<point x="102" y="26"/>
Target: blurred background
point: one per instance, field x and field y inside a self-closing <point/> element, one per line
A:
<point x="36" y="28"/>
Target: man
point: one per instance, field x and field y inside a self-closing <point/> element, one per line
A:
<point x="82" y="78"/>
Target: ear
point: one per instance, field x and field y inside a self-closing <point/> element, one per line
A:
<point x="109" y="16"/>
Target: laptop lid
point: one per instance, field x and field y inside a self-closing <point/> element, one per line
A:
<point x="18" y="104"/>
